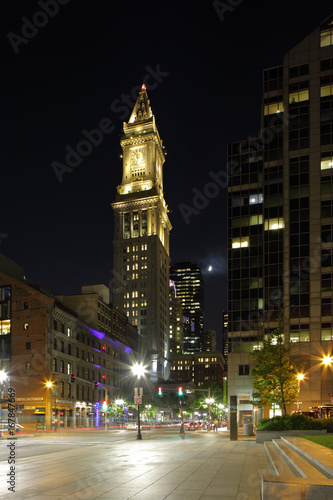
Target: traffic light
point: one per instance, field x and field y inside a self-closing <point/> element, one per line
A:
<point x="104" y="405"/>
<point x="160" y="391"/>
<point x="180" y="391"/>
<point x="96" y="385"/>
<point x="73" y="377"/>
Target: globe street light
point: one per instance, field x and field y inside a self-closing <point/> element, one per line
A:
<point x="138" y="370"/>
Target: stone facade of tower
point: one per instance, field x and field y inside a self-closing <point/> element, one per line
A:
<point x="141" y="238"/>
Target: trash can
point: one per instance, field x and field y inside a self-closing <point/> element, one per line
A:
<point x="248" y="426"/>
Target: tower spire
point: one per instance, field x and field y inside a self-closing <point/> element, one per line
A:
<point x="142" y="110"/>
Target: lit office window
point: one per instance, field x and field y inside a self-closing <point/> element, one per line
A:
<point x="271" y="224"/>
<point x="326" y="164"/>
<point x="240" y="242"/>
<point x="298" y="96"/>
<point x="326" y="38"/>
<point x="274" y="107"/>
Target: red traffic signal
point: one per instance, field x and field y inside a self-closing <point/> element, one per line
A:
<point x="160" y="391"/>
<point x="180" y="391"/>
<point x="73" y="377"/>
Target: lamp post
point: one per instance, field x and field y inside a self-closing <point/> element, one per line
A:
<point x="328" y="361"/>
<point x="209" y="401"/>
<point x="48" y="406"/>
<point x="119" y="402"/>
<point x="3" y="378"/>
<point x="138" y="370"/>
<point x="300" y="377"/>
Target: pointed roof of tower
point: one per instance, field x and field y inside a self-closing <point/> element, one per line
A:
<point x="142" y="110"/>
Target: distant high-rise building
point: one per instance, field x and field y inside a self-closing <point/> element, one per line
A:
<point x="225" y="338"/>
<point x="190" y="289"/>
<point x="176" y="330"/>
<point x="280" y="234"/>
<point x="209" y="340"/>
<point x="141" y="237"/>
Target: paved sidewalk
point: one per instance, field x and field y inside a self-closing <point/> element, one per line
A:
<point x="204" y="466"/>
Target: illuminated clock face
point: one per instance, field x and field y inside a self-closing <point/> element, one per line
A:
<point x="138" y="156"/>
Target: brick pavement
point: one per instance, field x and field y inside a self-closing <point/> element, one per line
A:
<point x="205" y="466"/>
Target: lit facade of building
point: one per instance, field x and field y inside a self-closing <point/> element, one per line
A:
<point x="280" y="223"/>
<point x="199" y="368"/>
<point x="44" y="341"/>
<point x="93" y="307"/>
<point x="190" y="289"/>
<point x="209" y="341"/>
<point x="141" y="238"/>
<point x="176" y="331"/>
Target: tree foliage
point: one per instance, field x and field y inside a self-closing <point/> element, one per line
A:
<point x="275" y="378"/>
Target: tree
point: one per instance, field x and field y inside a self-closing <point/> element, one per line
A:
<point x="275" y="378"/>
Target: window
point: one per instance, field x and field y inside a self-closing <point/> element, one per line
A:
<point x="326" y="331"/>
<point x="28" y="345"/>
<point x="271" y="224"/>
<point x="326" y="64"/>
<point x="25" y="305"/>
<point x="54" y="364"/>
<point x="62" y="366"/>
<point x="299" y="333"/>
<point x="240" y="242"/>
<point x="299" y="71"/>
<point x="54" y="325"/>
<point x="28" y="366"/>
<point x="326" y="90"/>
<point x="273" y="107"/>
<point x="299" y="95"/>
<point x="326" y="163"/>
<point x="25" y="326"/>
<point x="243" y="369"/>
<point x="62" y="346"/>
<point x="127" y="225"/>
<point x="326" y="37"/>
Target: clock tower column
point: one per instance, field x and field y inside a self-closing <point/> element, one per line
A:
<point x="141" y="239"/>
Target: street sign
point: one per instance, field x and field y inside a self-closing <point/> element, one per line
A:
<point x="137" y="400"/>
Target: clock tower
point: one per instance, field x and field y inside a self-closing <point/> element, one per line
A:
<point x="141" y="238"/>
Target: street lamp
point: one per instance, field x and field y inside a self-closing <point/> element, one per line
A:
<point x="138" y="370"/>
<point x="209" y="401"/>
<point x="48" y="413"/>
<point x="300" y="377"/>
<point x="3" y="378"/>
<point x="48" y="406"/>
<point x="119" y="402"/>
<point x="328" y="361"/>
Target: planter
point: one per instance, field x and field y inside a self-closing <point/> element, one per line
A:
<point x="262" y="436"/>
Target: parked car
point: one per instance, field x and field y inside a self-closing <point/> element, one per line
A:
<point x="307" y="413"/>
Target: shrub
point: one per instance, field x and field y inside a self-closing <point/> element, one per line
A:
<point x="294" y="422"/>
